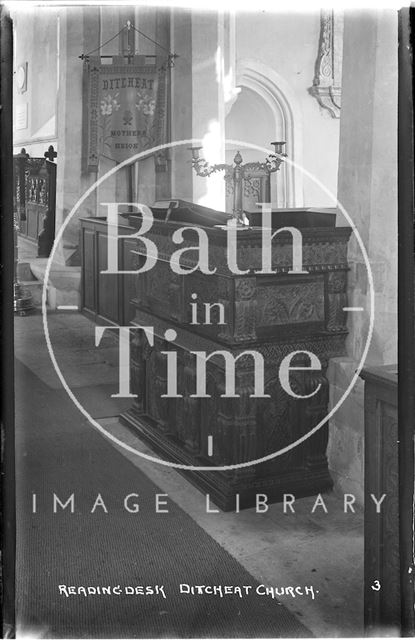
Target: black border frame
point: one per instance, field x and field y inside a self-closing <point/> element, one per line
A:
<point x="406" y="324"/>
<point x="8" y="547"/>
<point x="406" y="321"/>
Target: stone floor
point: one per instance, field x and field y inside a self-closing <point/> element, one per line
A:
<point x="321" y="549"/>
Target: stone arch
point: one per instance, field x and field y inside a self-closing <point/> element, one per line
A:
<point x="279" y="96"/>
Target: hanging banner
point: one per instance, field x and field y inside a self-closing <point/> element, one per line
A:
<point x="125" y="108"/>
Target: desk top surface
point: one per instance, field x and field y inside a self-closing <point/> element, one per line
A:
<point x="384" y="374"/>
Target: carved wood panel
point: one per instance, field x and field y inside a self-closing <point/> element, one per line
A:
<point x="106" y="296"/>
<point x="35" y="200"/>
<point x="89" y="270"/>
<point x="382" y="606"/>
<point x="290" y="303"/>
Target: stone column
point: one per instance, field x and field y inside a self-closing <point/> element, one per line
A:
<point x="78" y="34"/>
<point x="181" y="105"/>
<point x="367" y="188"/>
<point x="198" y="108"/>
<point x="208" y="102"/>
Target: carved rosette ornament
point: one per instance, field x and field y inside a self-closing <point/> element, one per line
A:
<point x="327" y="79"/>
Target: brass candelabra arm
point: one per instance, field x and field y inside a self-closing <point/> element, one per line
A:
<point x="202" y="167"/>
<point x="222" y="167"/>
<point x="274" y="161"/>
<point x="236" y="174"/>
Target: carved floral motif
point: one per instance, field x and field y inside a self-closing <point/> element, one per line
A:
<point x="290" y="303"/>
<point x="327" y="80"/>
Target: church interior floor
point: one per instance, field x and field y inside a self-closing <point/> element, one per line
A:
<point x="320" y="549"/>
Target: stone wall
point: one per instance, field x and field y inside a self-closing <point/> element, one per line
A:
<point x="216" y="52"/>
<point x="367" y="189"/>
<point x="36" y="46"/>
<point x="284" y="47"/>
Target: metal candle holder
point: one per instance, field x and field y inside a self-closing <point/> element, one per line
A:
<point x="235" y="174"/>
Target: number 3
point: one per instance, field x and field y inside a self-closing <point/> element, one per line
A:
<point x="376" y="585"/>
